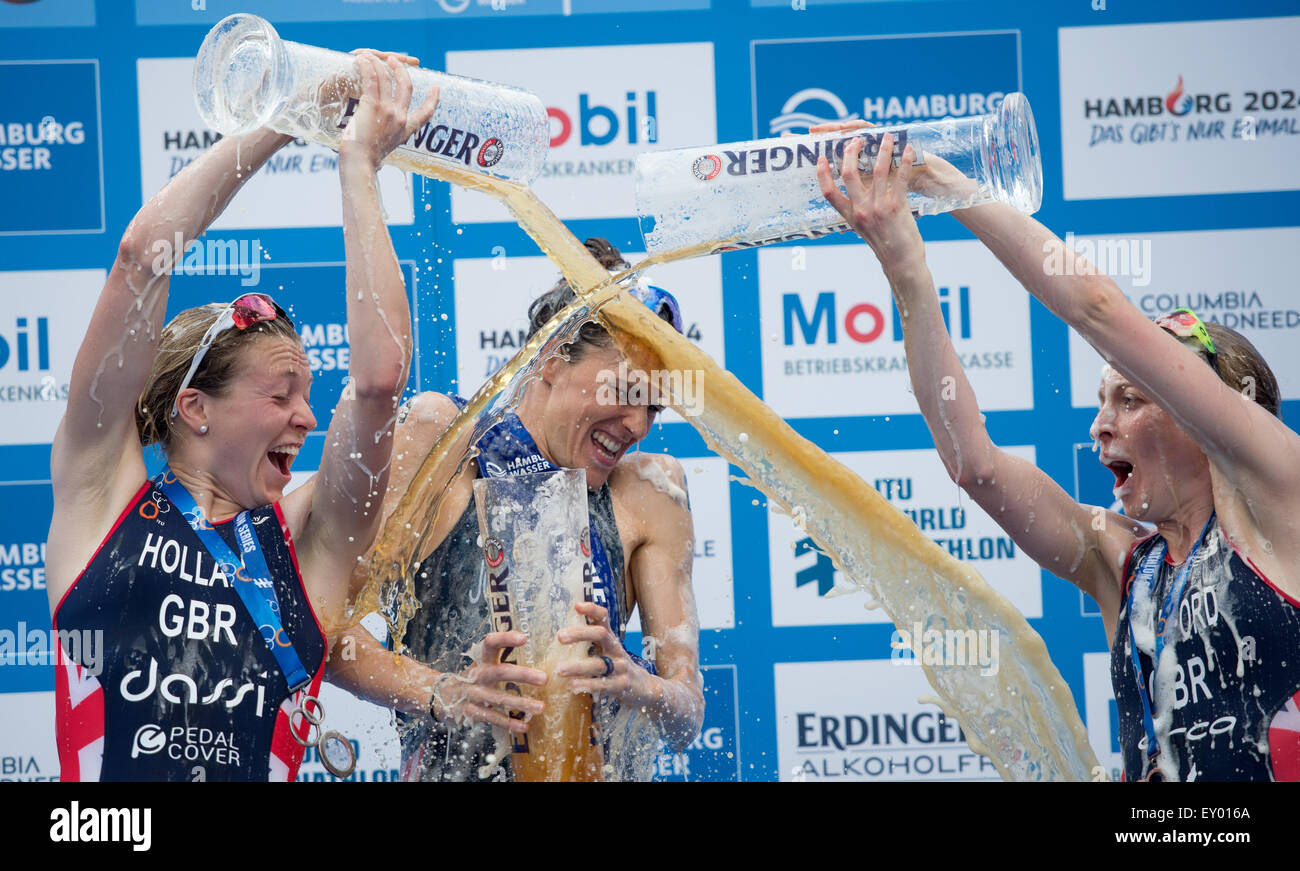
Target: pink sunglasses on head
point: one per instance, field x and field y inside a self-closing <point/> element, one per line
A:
<point x="249" y="309"/>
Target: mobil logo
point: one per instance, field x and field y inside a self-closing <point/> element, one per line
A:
<point x="863" y="322"/>
<point x="26" y="346"/>
<point x="634" y="121"/>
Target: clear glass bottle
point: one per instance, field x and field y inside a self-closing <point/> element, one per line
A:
<point x="246" y="77"/>
<point x="752" y="193"/>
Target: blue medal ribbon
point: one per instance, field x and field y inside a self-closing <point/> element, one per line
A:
<point x="1146" y="574"/>
<point x="252" y="578"/>
<point x="508" y="449"/>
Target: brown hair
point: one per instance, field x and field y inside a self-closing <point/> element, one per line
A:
<point x="551" y="303"/>
<point x="176" y="349"/>
<point x="1240" y="365"/>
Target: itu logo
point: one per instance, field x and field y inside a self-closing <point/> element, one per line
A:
<point x="797" y="115"/>
<point x="864" y="322"/>
<point x="1178" y="102"/>
<point x="634" y="123"/>
<point x="19" y="348"/>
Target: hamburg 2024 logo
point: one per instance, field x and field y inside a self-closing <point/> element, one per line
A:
<point x="799" y="83"/>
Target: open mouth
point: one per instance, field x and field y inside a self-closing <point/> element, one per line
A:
<point x="1121" y="470"/>
<point x="282" y="458"/>
<point x="607" y="448"/>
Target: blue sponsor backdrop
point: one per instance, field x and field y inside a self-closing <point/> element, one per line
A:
<point x="765" y="53"/>
<point x="50" y="161"/>
<point x="898" y="78"/>
<point x="43" y="13"/>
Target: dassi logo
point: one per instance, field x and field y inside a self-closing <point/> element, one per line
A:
<point x="638" y="123"/>
<point x="796" y="116"/>
<point x="19" y="347"/>
<point x="864" y="322"/>
<point x="1178" y="102"/>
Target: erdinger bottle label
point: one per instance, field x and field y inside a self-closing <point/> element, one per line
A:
<point x="463" y="146"/>
<point x="503" y="620"/>
<point x="803" y="155"/>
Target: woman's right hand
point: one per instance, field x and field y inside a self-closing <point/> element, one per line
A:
<point x="384" y="118"/>
<point x="935" y="178"/>
<point x="475" y="695"/>
<point x="877" y="207"/>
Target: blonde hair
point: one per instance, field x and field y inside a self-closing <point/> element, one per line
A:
<point x="176" y="349"/>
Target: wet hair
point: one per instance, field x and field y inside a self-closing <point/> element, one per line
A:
<point x="1240" y="365"/>
<point x="176" y="349"/>
<point x="555" y="300"/>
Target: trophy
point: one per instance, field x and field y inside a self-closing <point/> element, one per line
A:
<point x="535" y="541"/>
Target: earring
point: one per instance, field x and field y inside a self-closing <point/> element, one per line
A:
<point x="203" y="430"/>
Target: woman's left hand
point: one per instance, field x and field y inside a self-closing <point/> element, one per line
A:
<point x="607" y="670"/>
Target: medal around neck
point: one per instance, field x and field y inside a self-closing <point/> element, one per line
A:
<point x="335" y="751"/>
<point x="337" y="755"/>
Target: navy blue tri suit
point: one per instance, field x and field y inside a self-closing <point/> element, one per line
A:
<point x="451" y="584"/>
<point x="186" y="689"/>
<point x="1225" y="703"/>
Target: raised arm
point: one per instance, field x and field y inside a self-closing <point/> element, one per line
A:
<point x="1080" y="544"/>
<point x="1257" y="453"/>
<point x="344" y="510"/>
<point x="659" y="569"/>
<point x="113" y="363"/>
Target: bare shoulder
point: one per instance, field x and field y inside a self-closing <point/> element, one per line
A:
<point x="89" y="498"/>
<point x="649" y="479"/>
<point x="429" y="410"/>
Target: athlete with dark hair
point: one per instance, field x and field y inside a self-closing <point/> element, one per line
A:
<point x="640" y="519"/>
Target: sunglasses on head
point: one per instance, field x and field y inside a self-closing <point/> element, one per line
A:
<point x="658" y="301"/>
<point x="242" y="313"/>
<point x="1183" y="323"/>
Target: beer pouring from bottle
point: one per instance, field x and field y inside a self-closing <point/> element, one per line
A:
<point x="744" y="194"/>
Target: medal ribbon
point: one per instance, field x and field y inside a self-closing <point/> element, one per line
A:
<point x="1146" y="573"/>
<point x="252" y="578"/>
